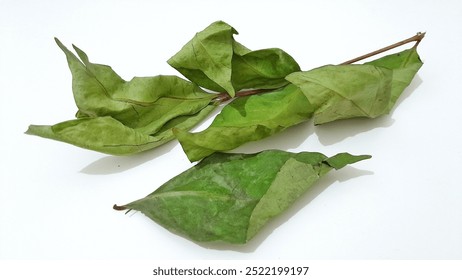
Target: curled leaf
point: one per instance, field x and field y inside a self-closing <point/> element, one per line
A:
<point x="404" y="65"/>
<point x="214" y="60"/>
<point x="367" y="90"/>
<point x="120" y="117"/>
<point x="331" y="92"/>
<point x="247" y="119"/>
<point x="110" y="136"/>
<point x="345" y="91"/>
<point x="230" y="197"/>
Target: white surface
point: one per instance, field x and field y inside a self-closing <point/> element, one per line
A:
<point x="405" y="203"/>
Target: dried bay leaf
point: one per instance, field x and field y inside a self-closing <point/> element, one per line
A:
<point x="119" y="117"/>
<point x="214" y="60"/>
<point x="332" y="92"/>
<point x="110" y="136"/>
<point x="404" y="65"/>
<point x="230" y="197"/>
<point x="247" y="119"/>
<point x="345" y="91"/>
<point x="146" y="112"/>
<point x="368" y="90"/>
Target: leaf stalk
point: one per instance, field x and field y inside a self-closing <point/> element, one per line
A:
<point x="224" y="96"/>
<point x="119" y="208"/>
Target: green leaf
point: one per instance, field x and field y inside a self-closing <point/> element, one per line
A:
<point x="127" y="117"/>
<point x="345" y="91"/>
<point x="214" y="60"/>
<point x="247" y="119"/>
<point x="330" y="93"/>
<point x="262" y="69"/>
<point x="230" y="197"/>
<point x="404" y="65"/>
<point x="110" y="136"/>
<point x="348" y="91"/>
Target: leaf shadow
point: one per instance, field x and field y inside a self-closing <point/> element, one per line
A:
<point x="290" y="138"/>
<point x="117" y="164"/>
<point x="334" y="132"/>
<point x="344" y="174"/>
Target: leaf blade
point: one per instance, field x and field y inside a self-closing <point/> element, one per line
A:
<point x="247" y="119"/>
<point x="130" y="116"/>
<point x="360" y="90"/>
<point x="214" y="60"/>
<point x="230" y="197"/>
<point x="405" y="66"/>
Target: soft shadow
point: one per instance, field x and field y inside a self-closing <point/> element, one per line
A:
<point x="338" y="131"/>
<point x="344" y="174"/>
<point x="118" y="164"/>
<point x="290" y="138"/>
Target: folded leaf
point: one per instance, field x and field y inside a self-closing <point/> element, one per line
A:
<point x="247" y="119"/>
<point x="214" y="60"/>
<point x="404" y="65"/>
<point x="348" y="91"/>
<point x="135" y="116"/>
<point x="345" y="91"/>
<point x="110" y="136"/>
<point x="230" y="197"/>
<point x="332" y="93"/>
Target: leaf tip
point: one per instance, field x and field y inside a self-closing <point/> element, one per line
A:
<point x="343" y="159"/>
<point x="35" y="129"/>
<point x="60" y="45"/>
<point x="29" y="130"/>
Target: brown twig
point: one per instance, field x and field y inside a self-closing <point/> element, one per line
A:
<point x="416" y="38"/>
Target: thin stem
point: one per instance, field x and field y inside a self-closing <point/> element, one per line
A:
<point x="253" y="91"/>
<point x="416" y="38"/>
<point x="224" y="96"/>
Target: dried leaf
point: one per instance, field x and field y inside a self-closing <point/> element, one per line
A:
<point x="120" y="117"/>
<point x="230" y="197"/>
<point x="331" y="92"/>
<point x="214" y="60"/>
<point x="247" y="119"/>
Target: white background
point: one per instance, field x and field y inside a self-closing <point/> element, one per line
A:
<point x="405" y="203"/>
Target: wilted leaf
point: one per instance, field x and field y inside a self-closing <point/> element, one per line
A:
<point x="145" y="109"/>
<point x="404" y="66"/>
<point x="348" y="91"/>
<point x="247" y="119"/>
<point x="345" y="91"/>
<point x="214" y="60"/>
<point x="120" y="117"/>
<point x="332" y="92"/>
<point x="230" y="197"/>
<point x="110" y="136"/>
